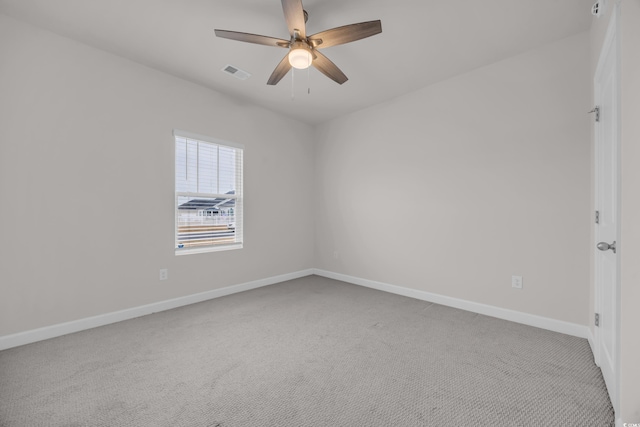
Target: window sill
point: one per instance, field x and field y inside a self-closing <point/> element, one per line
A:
<point x="189" y="251"/>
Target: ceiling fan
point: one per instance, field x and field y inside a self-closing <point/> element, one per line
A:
<point x="303" y="49"/>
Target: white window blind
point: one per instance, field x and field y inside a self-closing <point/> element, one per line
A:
<point x="208" y="197"/>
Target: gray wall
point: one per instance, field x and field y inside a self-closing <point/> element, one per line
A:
<point x="458" y="186"/>
<point x="630" y="267"/>
<point x="86" y="181"/>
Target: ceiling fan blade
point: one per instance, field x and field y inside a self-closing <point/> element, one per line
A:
<point x="252" y="38"/>
<point x="346" y="34"/>
<point x="281" y="70"/>
<point x="328" y="68"/>
<point x="294" y="15"/>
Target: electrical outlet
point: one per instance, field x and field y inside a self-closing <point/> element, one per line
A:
<point x="516" y="282"/>
<point x="164" y="274"/>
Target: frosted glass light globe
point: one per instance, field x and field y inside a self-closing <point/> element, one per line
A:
<point x="300" y="58"/>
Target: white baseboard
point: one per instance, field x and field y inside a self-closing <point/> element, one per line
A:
<point x="568" y="328"/>
<point x="592" y="341"/>
<point x="27" y="337"/>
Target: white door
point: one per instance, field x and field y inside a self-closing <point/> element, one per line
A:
<point x="607" y="239"/>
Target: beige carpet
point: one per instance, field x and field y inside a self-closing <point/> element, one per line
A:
<point x="308" y="352"/>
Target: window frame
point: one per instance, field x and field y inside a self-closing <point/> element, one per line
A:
<point x="238" y="196"/>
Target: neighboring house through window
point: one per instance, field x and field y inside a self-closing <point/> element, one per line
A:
<point x="208" y="194"/>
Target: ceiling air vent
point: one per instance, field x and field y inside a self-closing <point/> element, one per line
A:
<point x="598" y="8"/>
<point x="236" y="72"/>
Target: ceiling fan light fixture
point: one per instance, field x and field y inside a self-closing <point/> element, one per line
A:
<point x="300" y="57"/>
<point x="304" y="50"/>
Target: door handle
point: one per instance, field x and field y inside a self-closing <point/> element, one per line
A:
<point x="604" y="246"/>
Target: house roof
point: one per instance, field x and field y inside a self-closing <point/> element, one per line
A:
<point x="209" y="204"/>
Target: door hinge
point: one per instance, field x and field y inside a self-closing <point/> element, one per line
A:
<point x="597" y="319"/>
<point x="596" y="110"/>
<point x="597" y="217"/>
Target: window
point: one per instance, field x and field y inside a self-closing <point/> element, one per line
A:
<point x="208" y="199"/>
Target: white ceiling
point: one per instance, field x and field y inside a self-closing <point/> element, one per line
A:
<point x="422" y="42"/>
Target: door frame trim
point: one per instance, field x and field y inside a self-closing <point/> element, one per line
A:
<point x="611" y="42"/>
